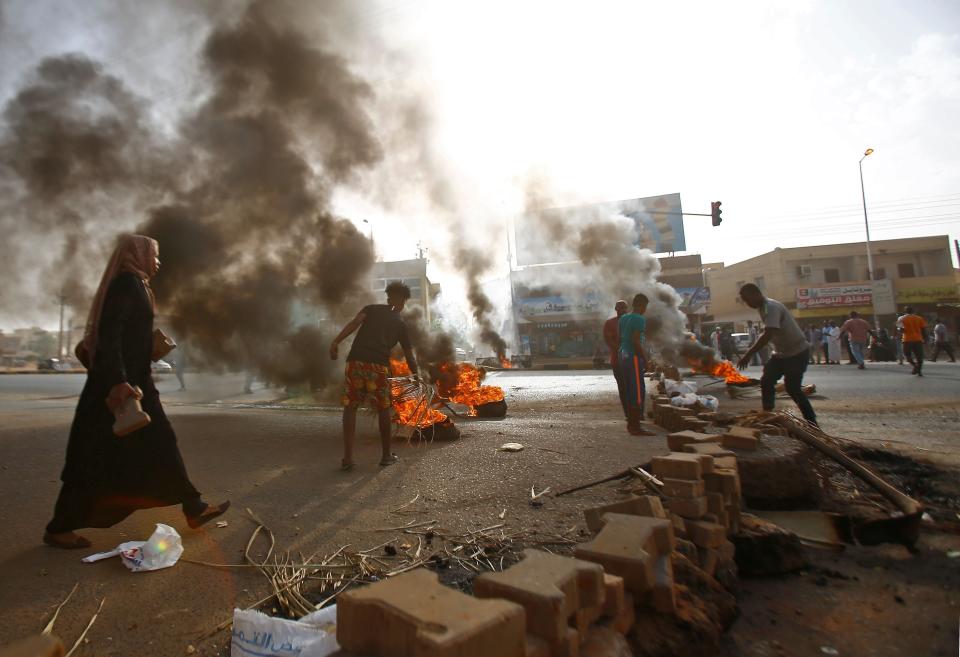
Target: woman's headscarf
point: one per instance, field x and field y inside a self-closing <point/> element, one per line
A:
<point x="135" y="254"/>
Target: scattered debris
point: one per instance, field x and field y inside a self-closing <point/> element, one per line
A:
<point x="49" y="627"/>
<point x="83" y="635"/>
<point x="510" y="447"/>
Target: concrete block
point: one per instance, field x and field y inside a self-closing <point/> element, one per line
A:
<point x="727" y="550"/>
<point x="727" y="463"/>
<point x="688" y="549"/>
<point x="663" y="595"/>
<point x="536" y="647"/>
<point x="585" y="617"/>
<point x="679" y="528"/>
<point x="645" y="505"/>
<point x="551" y="589"/>
<point x="625" y="620"/>
<point x="710" y="517"/>
<point x="416" y="616"/>
<point x="614" y="597"/>
<point x="676" y="440"/>
<point x="733" y="514"/>
<point x="680" y="465"/>
<point x="709" y="560"/>
<point x="706" y="534"/>
<point x="743" y="432"/>
<point x="733" y="441"/>
<point x="721" y="481"/>
<point x="694" y="424"/>
<point x="710" y="449"/>
<point x="715" y="503"/>
<point x="683" y="487"/>
<point x="627" y="547"/>
<point x="693" y="507"/>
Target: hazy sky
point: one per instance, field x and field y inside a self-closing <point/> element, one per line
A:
<point x="766" y="106"/>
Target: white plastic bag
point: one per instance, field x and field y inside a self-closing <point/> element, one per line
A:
<point x="679" y="387"/>
<point x="683" y="401"/>
<point x="161" y="550"/>
<point x="256" y="634"/>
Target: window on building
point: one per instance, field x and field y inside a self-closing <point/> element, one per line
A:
<point x="831" y="275"/>
<point x="905" y="270"/>
<point x="878" y="274"/>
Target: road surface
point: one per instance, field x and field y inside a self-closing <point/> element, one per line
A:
<point x="282" y="464"/>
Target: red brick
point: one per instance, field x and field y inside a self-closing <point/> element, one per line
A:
<point x="646" y="505"/>
<point x="627" y="547"/>
<point x="706" y="534"/>
<point x="413" y="615"/>
<point x="693" y="507"/>
<point x="552" y="590"/>
<point x="683" y="487"/>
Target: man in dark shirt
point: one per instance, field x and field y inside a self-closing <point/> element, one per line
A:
<point x="368" y="366"/>
<point x="611" y="336"/>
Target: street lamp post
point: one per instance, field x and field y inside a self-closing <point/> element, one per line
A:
<point x="866" y="223"/>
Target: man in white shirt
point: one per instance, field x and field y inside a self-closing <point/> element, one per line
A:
<point x="792" y="351"/>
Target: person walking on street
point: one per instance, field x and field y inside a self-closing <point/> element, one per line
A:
<point x="858" y="331"/>
<point x="715" y="339"/>
<point x="106" y="477"/>
<point x="940" y="342"/>
<point x="611" y="336"/>
<point x="379" y="328"/>
<point x="914" y="336"/>
<point x="825" y="342"/>
<point x="834" y="347"/>
<point x="816" y="346"/>
<point x="633" y="363"/>
<point x="792" y="351"/>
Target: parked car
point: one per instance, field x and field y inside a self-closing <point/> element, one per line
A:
<point x="741" y="342"/>
<point x="53" y="365"/>
<point x="161" y="367"/>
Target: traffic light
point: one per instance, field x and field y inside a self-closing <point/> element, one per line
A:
<point x="715" y="213"/>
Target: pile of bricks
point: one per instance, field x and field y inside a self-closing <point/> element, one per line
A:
<point x="701" y="486"/>
<point x="675" y="418"/>
<point x="543" y="606"/>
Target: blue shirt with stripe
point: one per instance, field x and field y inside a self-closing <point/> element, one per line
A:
<point x="629" y="323"/>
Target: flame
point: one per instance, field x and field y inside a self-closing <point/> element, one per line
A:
<point x="408" y="412"/>
<point x="505" y="364"/>
<point x="728" y="371"/>
<point x="460" y="383"/>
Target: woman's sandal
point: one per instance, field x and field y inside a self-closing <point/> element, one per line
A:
<point x="195" y="522"/>
<point x="390" y="461"/>
<point x="77" y="543"/>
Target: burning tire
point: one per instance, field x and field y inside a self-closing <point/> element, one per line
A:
<point x="445" y="430"/>
<point x="497" y="409"/>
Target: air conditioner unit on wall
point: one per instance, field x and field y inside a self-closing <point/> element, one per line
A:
<point x="805" y="271"/>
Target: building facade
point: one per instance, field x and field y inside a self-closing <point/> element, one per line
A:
<point x="826" y="282"/>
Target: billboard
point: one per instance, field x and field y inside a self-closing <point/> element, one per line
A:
<point x="657" y="220"/>
<point x="829" y="297"/>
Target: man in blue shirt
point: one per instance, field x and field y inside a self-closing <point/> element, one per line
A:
<point x="633" y="363"/>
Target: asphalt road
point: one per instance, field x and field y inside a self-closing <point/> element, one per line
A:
<point x="282" y="464"/>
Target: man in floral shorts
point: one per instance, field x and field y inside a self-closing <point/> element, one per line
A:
<point x="368" y="366"/>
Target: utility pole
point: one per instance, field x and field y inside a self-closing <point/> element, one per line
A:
<point x="62" y="299"/>
<point x="863" y="195"/>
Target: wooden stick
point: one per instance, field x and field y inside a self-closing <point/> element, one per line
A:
<point x="49" y="628"/>
<point x="86" y="629"/>
<point x="620" y="475"/>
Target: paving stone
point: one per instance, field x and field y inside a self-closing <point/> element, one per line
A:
<point x="627" y="617"/>
<point x="585" y="617"/>
<point x="416" y="616"/>
<point x="663" y="595"/>
<point x="614" y="596"/>
<point x="745" y="432"/>
<point x="688" y="549"/>
<point x="728" y="463"/>
<point x="628" y="546"/>
<point x="536" y="647"/>
<point x="552" y="590"/>
<point x="677" y="439"/>
<point x="694" y="424"/>
<point x="644" y="505"/>
<point x="710" y="449"/>
<point x="679" y="528"/>
<point x="733" y="441"/>
<point x="681" y="465"/>
<point x="709" y="558"/>
<point x="693" y="507"/>
<point x="687" y="488"/>
<point x="721" y="481"/>
<point x="715" y="503"/>
<point x="706" y="534"/>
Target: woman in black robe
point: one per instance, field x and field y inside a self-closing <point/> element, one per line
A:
<point x="106" y="477"/>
